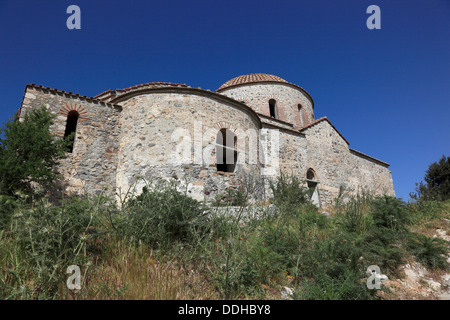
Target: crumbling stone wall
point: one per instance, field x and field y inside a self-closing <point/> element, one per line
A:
<point x="153" y="128"/>
<point x="336" y="166"/>
<point x="371" y="175"/>
<point x="137" y="138"/>
<point x="293" y="153"/>
<point x="91" y="167"/>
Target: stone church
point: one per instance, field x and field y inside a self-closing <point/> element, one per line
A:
<point x="255" y="125"/>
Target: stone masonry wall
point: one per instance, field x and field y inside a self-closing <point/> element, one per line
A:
<point x="120" y="148"/>
<point x="372" y="176"/>
<point x="153" y="128"/>
<point x="293" y="154"/>
<point x="257" y="97"/>
<point x="92" y="165"/>
<point x="335" y="166"/>
<point x="274" y="122"/>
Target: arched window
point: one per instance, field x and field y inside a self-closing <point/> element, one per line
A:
<point x="310" y="174"/>
<point x="312" y="183"/>
<point x="226" y="153"/>
<point x="71" y="128"/>
<point x="273" y="108"/>
<point x="300" y="115"/>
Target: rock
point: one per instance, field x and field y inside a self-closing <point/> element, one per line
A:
<point x="287" y="293"/>
<point x="444" y="296"/>
<point x="414" y="272"/>
<point x="326" y="214"/>
<point x="435" y="286"/>
<point x="446" y="280"/>
<point x="442" y="234"/>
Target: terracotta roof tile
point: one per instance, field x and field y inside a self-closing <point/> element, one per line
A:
<point x="273" y="119"/>
<point x="104" y="95"/>
<point x="369" y="157"/>
<point x="260" y="78"/>
<point x="251" y="78"/>
<point x="75" y="95"/>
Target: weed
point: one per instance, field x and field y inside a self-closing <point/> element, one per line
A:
<point x="429" y="251"/>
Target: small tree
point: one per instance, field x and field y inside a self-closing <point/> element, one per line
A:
<point x="29" y="152"/>
<point x="437" y="181"/>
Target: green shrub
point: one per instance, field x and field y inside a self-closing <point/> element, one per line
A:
<point x="276" y="246"/>
<point x="390" y="220"/>
<point x="162" y="215"/>
<point x="7" y="206"/>
<point x="231" y="197"/>
<point x="382" y="223"/>
<point x="355" y="214"/>
<point x="231" y="272"/>
<point x="390" y="213"/>
<point x="347" y="286"/>
<point x="429" y="251"/>
<point x="426" y="211"/>
<point x="366" y="231"/>
<point x="46" y="239"/>
<point x="288" y="190"/>
<point x="387" y="257"/>
<point x="334" y="269"/>
<point x="341" y="251"/>
<point x="273" y="251"/>
<point x="29" y="153"/>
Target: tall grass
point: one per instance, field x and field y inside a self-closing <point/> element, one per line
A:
<point x="163" y="244"/>
<point x="128" y="271"/>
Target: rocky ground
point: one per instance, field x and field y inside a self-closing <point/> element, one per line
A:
<point x="414" y="281"/>
<point x="418" y="283"/>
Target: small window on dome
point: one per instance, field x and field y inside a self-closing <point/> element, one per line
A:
<point x="300" y="115"/>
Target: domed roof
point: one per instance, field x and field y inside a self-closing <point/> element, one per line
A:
<point x="251" y="78"/>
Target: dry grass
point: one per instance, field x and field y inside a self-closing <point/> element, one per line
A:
<point x="127" y="272"/>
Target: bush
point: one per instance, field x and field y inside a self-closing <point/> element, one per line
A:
<point x="390" y="213"/>
<point x="429" y="251"/>
<point x="387" y="257"/>
<point x="231" y="197"/>
<point x="289" y="191"/>
<point x="7" y="206"/>
<point x="366" y="231"/>
<point x="341" y="251"/>
<point x="356" y="214"/>
<point x="426" y="211"/>
<point x="273" y="251"/>
<point x="29" y="153"/>
<point x="162" y="215"/>
<point x="334" y="269"/>
<point x="347" y="286"/>
<point x="46" y="240"/>
<point x="232" y="273"/>
<point x="322" y="258"/>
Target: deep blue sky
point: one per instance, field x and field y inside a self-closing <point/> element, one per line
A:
<point x="387" y="91"/>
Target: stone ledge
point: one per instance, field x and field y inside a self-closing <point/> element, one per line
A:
<point x="223" y="173"/>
